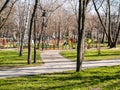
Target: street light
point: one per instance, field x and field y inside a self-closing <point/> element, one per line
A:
<point x="42" y="27"/>
<point x="44" y="13"/>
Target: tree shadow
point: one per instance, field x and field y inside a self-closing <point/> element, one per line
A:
<point x="66" y="80"/>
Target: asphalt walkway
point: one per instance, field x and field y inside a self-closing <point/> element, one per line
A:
<point x="54" y="62"/>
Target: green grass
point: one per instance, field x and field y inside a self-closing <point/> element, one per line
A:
<point x="104" y="78"/>
<point x="118" y="45"/>
<point x="11" y="58"/>
<point x="93" y="54"/>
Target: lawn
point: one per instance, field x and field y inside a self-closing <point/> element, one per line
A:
<point x="93" y="54"/>
<point x="102" y="78"/>
<point x="11" y="58"/>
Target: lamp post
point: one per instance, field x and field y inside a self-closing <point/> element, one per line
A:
<point x="42" y="27"/>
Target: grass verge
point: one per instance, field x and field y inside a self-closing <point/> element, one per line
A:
<point x="93" y="54"/>
<point x="103" y="78"/>
<point x="11" y="59"/>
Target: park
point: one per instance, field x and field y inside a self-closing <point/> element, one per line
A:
<point x="59" y="45"/>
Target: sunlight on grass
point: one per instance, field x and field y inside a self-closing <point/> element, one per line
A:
<point x="104" y="78"/>
<point x="93" y="54"/>
<point x="12" y="59"/>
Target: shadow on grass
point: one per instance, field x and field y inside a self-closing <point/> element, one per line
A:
<point x="90" y="78"/>
<point x="92" y="54"/>
<point x="113" y="86"/>
<point x="115" y="54"/>
<point x="10" y="59"/>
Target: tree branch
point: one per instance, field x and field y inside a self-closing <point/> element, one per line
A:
<point x="4" y="6"/>
<point x="5" y="19"/>
<point x="100" y="18"/>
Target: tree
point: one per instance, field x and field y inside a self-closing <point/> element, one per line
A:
<point x="112" y="38"/>
<point x="81" y="24"/>
<point x="4" y="6"/>
<point x="48" y="8"/>
<point x="30" y="32"/>
<point x="35" y="39"/>
<point x="23" y="24"/>
<point x="9" y="12"/>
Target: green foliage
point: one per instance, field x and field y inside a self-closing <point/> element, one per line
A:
<point x="93" y="54"/>
<point x="9" y="59"/>
<point x="104" y="78"/>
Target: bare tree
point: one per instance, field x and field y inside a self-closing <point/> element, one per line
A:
<point x="48" y="8"/>
<point x="4" y="6"/>
<point x="8" y="14"/>
<point x="30" y="33"/>
<point x="112" y="38"/>
<point x="35" y="39"/>
<point x="81" y="23"/>
<point x="25" y="20"/>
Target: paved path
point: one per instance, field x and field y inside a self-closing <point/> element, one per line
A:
<point x="53" y="62"/>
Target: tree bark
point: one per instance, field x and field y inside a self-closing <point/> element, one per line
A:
<point x="24" y="29"/>
<point x="30" y="33"/>
<point x="118" y="29"/>
<point x="80" y="46"/>
<point x="103" y="38"/>
<point x="79" y="38"/>
<point x="35" y="40"/>
<point x="104" y="28"/>
<point x="21" y="44"/>
<point x="109" y="25"/>
<point x="116" y="38"/>
<point x="58" y="41"/>
<point x="111" y="42"/>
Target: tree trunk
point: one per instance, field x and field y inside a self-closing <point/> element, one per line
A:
<point x="118" y="25"/>
<point x="104" y="28"/>
<point x="81" y="22"/>
<point x="24" y="30"/>
<point x="111" y="42"/>
<point x="30" y="33"/>
<point x="103" y="38"/>
<point x="21" y="43"/>
<point x="43" y="41"/>
<point x="113" y="45"/>
<point x="58" y="41"/>
<point x="35" y="40"/>
<point x="109" y="25"/>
